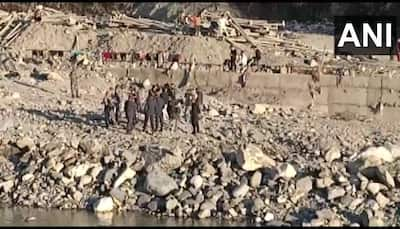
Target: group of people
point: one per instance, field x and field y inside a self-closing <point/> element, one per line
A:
<point x="240" y="61"/>
<point x="160" y="104"/>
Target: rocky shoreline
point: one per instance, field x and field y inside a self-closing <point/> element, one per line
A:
<point x="270" y="165"/>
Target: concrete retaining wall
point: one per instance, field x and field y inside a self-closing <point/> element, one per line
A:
<point x="356" y="95"/>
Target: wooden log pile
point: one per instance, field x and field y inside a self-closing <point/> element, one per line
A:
<point x="11" y="26"/>
<point x="140" y="23"/>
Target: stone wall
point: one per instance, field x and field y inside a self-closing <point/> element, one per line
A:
<point x="355" y="95"/>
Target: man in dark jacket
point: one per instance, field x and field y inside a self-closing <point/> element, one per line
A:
<point x="233" y="59"/>
<point x="107" y="102"/>
<point x="130" y="112"/>
<point x="188" y="99"/>
<point x="199" y="94"/>
<point x="117" y="101"/>
<point x="150" y="111"/>
<point x="195" y="116"/>
<point x="160" y="103"/>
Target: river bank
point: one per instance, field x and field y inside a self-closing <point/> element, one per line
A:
<point x="54" y="217"/>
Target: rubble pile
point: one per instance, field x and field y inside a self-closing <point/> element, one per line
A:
<point x="271" y="165"/>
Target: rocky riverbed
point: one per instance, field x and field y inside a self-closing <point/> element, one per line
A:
<point x="271" y="165"/>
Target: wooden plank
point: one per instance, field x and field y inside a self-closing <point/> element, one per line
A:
<point x="25" y="26"/>
<point x="237" y="27"/>
<point x="7" y="26"/>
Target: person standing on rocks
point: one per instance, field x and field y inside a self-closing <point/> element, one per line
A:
<point x="107" y="107"/>
<point x="243" y="61"/>
<point x="199" y="95"/>
<point x="160" y="104"/>
<point x="233" y="59"/>
<point x="117" y="103"/>
<point x="130" y="112"/>
<point x="257" y="58"/>
<point x="195" y="115"/>
<point x="188" y="99"/>
<point x="150" y="111"/>
<point x="73" y="76"/>
<point x="173" y="112"/>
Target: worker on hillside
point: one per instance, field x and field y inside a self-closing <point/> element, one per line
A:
<point x="76" y="61"/>
<point x="173" y="112"/>
<point x="188" y="99"/>
<point x="195" y="115"/>
<point x="150" y="111"/>
<point x="38" y="14"/>
<point x="107" y="107"/>
<point x="257" y="58"/>
<point x="243" y="60"/>
<point x="160" y="104"/>
<point x="199" y="95"/>
<point x="130" y="112"/>
<point x="233" y="59"/>
<point x="117" y="103"/>
<point x="196" y="24"/>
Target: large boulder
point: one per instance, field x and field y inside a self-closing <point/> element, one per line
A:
<point x="156" y="157"/>
<point x="159" y="183"/>
<point x="127" y="174"/>
<point x="258" y="108"/>
<point x="377" y="155"/>
<point x="286" y="171"/>
<point x="394" y="150"/>
<point x="251" y="158"/>
<point x="104" y="204"/>
<point x="90" y="146"/>
<point x="54" y="76"/>
<point x="25" y="143"/>
<point x="78" y="170"/>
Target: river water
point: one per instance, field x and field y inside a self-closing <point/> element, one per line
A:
<point x="54" y="217"/>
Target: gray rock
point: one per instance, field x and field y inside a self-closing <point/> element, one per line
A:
<point x="143" y="199"/>
<point x="159" y="183"/>
<point x="184" y="195"/>
<point x="304" y="185"/>
<point x="157" y="158"/>
<point x="325" y="214"/>
<point x="208" y="205"/>
<point x="127" y="174"/>
<point x="374" y="187"/>
<point x="258" y="204"/>
<point x="25" y="143"/>
<point x="332" y="154"/>
<point x="382" y="200"/>
<point x="208" y="170"/>
<point x="255" y="179"/>
<point x="204" y="214"/>
<point x="252" y="158"/>
<point x="240" y="191"/>
<point x="286" y="171"/>
<point x="90" y="146"/>
<point x="109" y="175"/>
<point x="379" y="174"/>
<point x="171" y="204"/>
<point x="104" y="204"/>
<point x="335" y="192"/>
<point x="129" y="156"/>
<point x="153" y="205"/>
<point x="118" y="195"/>
<point x="6" y="186"/>
<point x="269" y="217"/>
<point x="196" y="181"/>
